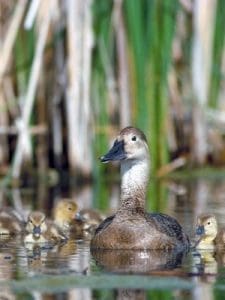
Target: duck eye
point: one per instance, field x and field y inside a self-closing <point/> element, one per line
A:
<point x="134" y="138"/>
<point x="208" y="223"/>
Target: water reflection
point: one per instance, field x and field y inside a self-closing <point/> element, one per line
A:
<point x="137" y="262"/>
<point x="183" y="200"/>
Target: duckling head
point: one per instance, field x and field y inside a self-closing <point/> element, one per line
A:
<point x="130" y="144"/>
<point x="36" y="224"/>
<point x="65" y="212"/>
<point x="207" y="225"/>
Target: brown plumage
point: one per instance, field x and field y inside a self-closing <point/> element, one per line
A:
<point x="10" y="223"/>
<point x="131" y="227"/>
<point x="91" y="218"/>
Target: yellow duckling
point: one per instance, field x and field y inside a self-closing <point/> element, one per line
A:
<point x="10" y="223"/>
<point x="40" y="230"/>
<point x="207" y="230"/>
<point x="65" y="218"/>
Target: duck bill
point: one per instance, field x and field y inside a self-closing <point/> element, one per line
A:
<point x="37" y="231"/>
<point x="200" y="230"/>
<point x="117" y="152"/>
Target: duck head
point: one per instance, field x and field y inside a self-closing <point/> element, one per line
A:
<point x="207" y="225"/>
<point x="36" y="224"/>
<point x="131" y="144"/>
<point x="65" y="211"/>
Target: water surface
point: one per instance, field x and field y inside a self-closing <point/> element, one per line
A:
<point x="71" y="271"/>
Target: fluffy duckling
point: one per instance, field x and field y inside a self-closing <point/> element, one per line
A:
<point x="132" y="227"/>
<point x="91" y="218"/>
<point x="220" y="239"/>
<point x="206" y="229"/>
<point x="10" y="223"/>
<point x="40" y="230"/>
<point x="65" y="218"/>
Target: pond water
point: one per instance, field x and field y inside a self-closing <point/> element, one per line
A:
<point x="70" y="271"/>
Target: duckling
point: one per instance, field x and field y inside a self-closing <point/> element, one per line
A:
<point x="91" y="218"/>
<point x="10" y="222"/>
<point x="207" y="229"/>
<point x="132" y="227"/>
<point x="65" y="218"/>
<point x="220" y="239"/>
<point x="40" y="230"/>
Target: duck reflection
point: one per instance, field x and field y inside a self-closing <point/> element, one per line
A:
<point x="123" y="294"/>
<point x="137" y="261"/>
<point x="7" y="263"/>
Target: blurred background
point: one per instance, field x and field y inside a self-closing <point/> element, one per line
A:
<point x="73" y="73"/>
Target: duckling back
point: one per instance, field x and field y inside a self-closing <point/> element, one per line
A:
<point x="220" y="239"/>
<point x="10" y="223"/>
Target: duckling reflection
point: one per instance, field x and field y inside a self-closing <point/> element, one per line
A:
<point x="7" y="260"/>
<point x="137" y="261"/>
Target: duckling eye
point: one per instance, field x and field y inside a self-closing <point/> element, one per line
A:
<point x="69" y="208"/>
<point x="134" y="138"/>
<point x="208" y="223"/>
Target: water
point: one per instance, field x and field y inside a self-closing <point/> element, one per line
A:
<point x="70" y="271"/>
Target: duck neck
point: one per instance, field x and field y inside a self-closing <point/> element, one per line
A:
<point x="134" y="176"/>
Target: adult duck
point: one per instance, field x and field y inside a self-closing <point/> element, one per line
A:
<point x="132" y="227"/>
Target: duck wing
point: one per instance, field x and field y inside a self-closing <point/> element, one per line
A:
<point x="104" y="224"/>
<point x="169" y="226"/>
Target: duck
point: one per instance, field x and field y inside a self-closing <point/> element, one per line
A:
<point x="67" y="218"/>
<point x="132" y="227"/>
<point x="11" y="223"/>
<point x="40" y="230"/>
<point x="206" y="230"/>
<point x="220" y="239"/>
<point x="91" y="218"/>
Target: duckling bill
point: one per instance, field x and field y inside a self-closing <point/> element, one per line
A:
<point x="132" y="227"/>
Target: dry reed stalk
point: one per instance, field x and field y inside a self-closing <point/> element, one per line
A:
<point x="123" y="76"/>
<point x="42" y="142"/>
<point x="79" y="64"/>
<point x="59" y="74"/>
<point x="203" y="24"/>
<point x="3" y="122"/>
<point x="11" y="101"/>
<point x="33" y="130"/>
<point x="73" y="97"/>
<point x="31" y="90"/>
<point x="10" y="36"/>
<point x="86" y="127"/>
